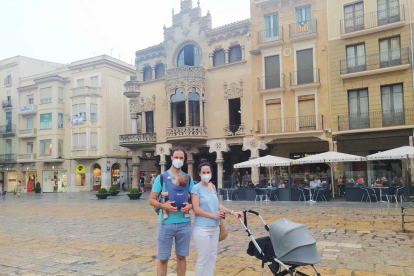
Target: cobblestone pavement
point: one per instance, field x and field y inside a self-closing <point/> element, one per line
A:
<point x="75" y="234"/>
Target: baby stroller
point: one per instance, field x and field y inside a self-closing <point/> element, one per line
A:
<point x="288" y="247"/>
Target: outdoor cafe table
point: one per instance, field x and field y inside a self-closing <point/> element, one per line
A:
<point x="310" y="193"/>
<point x="380" y="191"/>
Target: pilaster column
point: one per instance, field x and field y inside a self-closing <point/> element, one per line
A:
<point x="190" y="165"/>
<point x="139" y="123"/>
<point x="163" y="163"/>
<point x="135" y="171"/>
<point x="143" y="123"/>
<point x="187" y="112"/>
<point x="141" y="75"/>
<point x="333" y="146"/>
<point x="219" y="162"/>
<point x="255" y="171"/>
<point x="226" y="55"/>
<point x="169" y="124"/>
<point x="153" y="72"/>
<point x="134" y="123"/>
<point x="243" y="49"/>
<point x="201" y="112"/>
<point x="211" y="58"/>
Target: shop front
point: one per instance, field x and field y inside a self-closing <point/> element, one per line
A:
<point x="55" y="180"/>
<point x="80" y="177"/>
<point x="115" y="173"/>
<point x="10" y="179"/>
<point x="96" y="177"/>
<point x="30" y="176"/>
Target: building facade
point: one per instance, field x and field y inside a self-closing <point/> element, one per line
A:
<point x="371" y="82"/>
<point x="193" y="90"/>
<point x="67" y="122"/>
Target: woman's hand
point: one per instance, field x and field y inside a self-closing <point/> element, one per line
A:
<point x="237" y="214"/>
<point x="218" y="215"/>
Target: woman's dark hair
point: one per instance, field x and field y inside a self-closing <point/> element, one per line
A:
<point x="204" y="163"/>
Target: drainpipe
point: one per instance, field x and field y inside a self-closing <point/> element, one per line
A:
<point x="411" y="41"/>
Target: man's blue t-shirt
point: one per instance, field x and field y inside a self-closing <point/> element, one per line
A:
<point x="177" y="217"/>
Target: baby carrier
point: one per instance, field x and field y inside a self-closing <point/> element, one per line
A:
<point x="176" y="193"/>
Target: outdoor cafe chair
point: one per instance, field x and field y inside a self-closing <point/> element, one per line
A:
<point x="259" y="194"/>
<point x="320" y="192"/>
<point x="273" y="193"/>
<point x="235" y="194"/>
<point x="304" y="193"/>
<point x="398" y="193"/>
<point x="222" y="193"/>
<point x="368" y="193"/>
<point x="390" y="193"/>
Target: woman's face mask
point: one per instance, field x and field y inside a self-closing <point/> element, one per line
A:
<point x="206" y="177"/>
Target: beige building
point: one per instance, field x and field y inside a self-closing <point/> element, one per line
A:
<point x="67" y="123"/>
<point x="193" y="90"/>
<point x="290" y="77"/>
<point x="371" y="81"/>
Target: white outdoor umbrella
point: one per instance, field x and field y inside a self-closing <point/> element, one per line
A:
<point x="265" y="161"/>
<point x="330" y="157"/>
<point x="405" y="152"/>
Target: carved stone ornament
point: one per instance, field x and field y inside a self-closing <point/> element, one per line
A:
<point x="142" y="105"/>
<point x="253" y="143"/>
<point x="229" y="31"/>
<point x="185" y="78"/>
<point x="234" y="130"/>
<point x="233" y="91"/>
<point x="218" y="145"/>
<point x="186" y="31"/>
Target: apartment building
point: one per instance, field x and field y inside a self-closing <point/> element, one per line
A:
<point x="67" y="122"/>
<point x="371" y="81"/>
<point x="193" y="90"/>
<point x="290" y="77"/>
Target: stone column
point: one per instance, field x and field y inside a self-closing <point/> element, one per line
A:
<point x="139" y="123"/>
<point x="134" y="123"/>
<point x="211" y="60"/>
<point x="141" y="75"/>
<point x="190" y="164"/>
<point x="143" y="123"/>
<point x="187" y="112"/>
<point x="135" y="170"/>
<point x="163" y="163"/>
<point x="219" y="162"/>
<point x="243" y="49"/>
<point x="169" y="124"/>
<point x="201" y="112"/>
<point x="226" y="55"/>
<point x="153" y="72"/>
<point x="254" y="153"/>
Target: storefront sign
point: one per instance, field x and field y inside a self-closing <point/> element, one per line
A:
<point x="53" y="167"/>
<point x="108" y="166"/>
<point x="28" y="168"/>
<point x="80" y="169"/>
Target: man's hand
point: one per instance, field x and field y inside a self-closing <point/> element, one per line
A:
<point x="168" y="207"/>
<point x="187" y="208"/>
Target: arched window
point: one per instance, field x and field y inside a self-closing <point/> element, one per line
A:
<point x="219" y="57"/>
<point x="178" y="109"/>
<point x="190" y="55"/>
<point x="159" y="71"/>
<point x="194" y="107"/>
<point x="235" y="54"/>
<point x="147" y="73"/>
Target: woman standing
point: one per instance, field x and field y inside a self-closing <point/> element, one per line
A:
<point x="206" y="229"/>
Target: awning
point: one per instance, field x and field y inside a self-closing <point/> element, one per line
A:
<point x="397" y="153"/>
<point x="265" y="161"/>
<point x="329" y="157"/>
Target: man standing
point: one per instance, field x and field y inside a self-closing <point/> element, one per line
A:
<point x="123" y="183"/>
<point x="176" y="227"/>
<point x="233" y="180"/>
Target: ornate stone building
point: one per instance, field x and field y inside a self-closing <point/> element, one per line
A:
<point x="193" y="90"/>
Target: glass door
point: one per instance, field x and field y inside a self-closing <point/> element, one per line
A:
<point x="355" y="58"/>
<point x="392" y="105"/>
<point x="271" y="32"/>
<point x="390" y="52"/>
<point x="388" y="11"/>
<point x="358" y="109"/>
<point x="354" y="17"/>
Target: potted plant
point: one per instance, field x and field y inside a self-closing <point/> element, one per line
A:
<point x="102" y="194"/>
<point x="134" y="193"/>
<point x="38" y="189"/>
<point x="113" y="191"/>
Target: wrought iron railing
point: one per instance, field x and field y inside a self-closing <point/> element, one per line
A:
<point x="305" y="77"/>
<point x="10" y="128"/>
<point x="270" y="35"/>
<point x="372" y="20"/>
<point x="27" y="156"/>
<point x="290" y="124"/>
<point x="138" y="138"/>
<point x="7" y="103"/>
<point x="271" y="82"/>
<point x="375" y="61"/>
<point x="193" y="131"/>
<point x="28" y="131"/>
<point x="7" y="158"/>
<point x="303" y="28"/>
<point x="376" y="119"/>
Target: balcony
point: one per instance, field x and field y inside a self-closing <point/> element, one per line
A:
<point x="309" y="78"/>
<point x="7" y="104"/>
<point x="373" y="22"/>
<point x="85" y="91"/>
<point x="26" y="158"/>
<point x="234" y="130"/>
<point x="188" y="133"/>
<point x="271" y="84"/>
<point x="27" y="133"/>
<point x="29" y="109"/>
<point x="376" y="120"/>
<point x="46" y="100"/>
<point x="303" y="30"/>
<point x="305" y="124"/>
<point x="132" y="89"/>
<point x="270" y="37"/>
<point x="138" y="139"/>
<point x="383" y="62"/>
<point x="7" y="158"/>
<point x="8" y="130"/>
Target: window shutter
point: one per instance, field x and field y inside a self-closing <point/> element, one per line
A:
<point x="274" y="115"/>
<point x="94" y="140"/>
<point x="46" y="93"/>
<point x="235" y="54"/>
<point x="94" y="82"/>
<point x="307" y="116"/>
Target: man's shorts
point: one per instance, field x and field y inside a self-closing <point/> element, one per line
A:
<point x="181" y="232"/>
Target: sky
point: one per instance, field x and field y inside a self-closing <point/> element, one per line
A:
<point x="64" y="31"/>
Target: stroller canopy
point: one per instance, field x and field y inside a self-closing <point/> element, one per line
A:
<point x="293" y="244"/>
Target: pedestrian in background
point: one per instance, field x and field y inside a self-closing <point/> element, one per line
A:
<point x="123" y="183"/>
<point x="19" y="188"/>
<point x="118" y="184"/>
